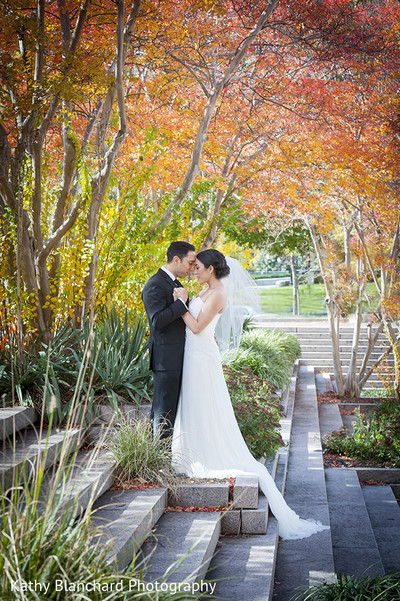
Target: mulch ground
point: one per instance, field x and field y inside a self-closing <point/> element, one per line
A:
<point x="332" y="397"/>
<point x="139" y="484"/>
<point x="332" y="460"/>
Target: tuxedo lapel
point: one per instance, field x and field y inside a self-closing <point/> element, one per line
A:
<point x="161" y="273"/>
<point x="173" y="283"/>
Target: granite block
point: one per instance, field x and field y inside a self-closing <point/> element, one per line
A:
<point x="245" y="492"/>
<point x="254" y="521"/>
<point x="200" y="495"/>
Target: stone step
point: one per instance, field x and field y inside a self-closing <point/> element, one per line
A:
<point x="344" y="338"/>
<point x="384" y="514"/>
<point x="244" y="566"/>
<point x="246" y="521"/>
<point x="323" y="382"/>
<point x="329" y="370"/>
<point x="199" y="495"/>
<point x="89" y="475"/>
<point x="326" y="365"/>
<point x="330" y="418"/>
<point x="344" y="343"/>
<point x="13" y="419"/>
<point x="125" y="518"/>
<point x="348" y="422"/>
<point x="345" y="354"/>
<point x="345" y="351"/>
<point x="305" y="561"/>
<point x="378" y="474"/>
<point x="364" y="407"/>
<point x="181" y="547"/>
<point x="30" y="449"/>
<point x="318" y="359"/>
<point x="314" y="331"/>
<point x="355" y="549"/>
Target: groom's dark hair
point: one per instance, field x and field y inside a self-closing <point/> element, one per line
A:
<point x="178" y="249"/>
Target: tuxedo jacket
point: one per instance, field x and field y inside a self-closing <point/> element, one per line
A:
<point x="167" y="329"/>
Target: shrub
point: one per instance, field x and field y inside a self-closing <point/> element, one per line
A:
<point x="120" y="363"/>
<point x="269" y="353"/>
<point x="256" y="411"/>
<point x="140" y="455"/>
<point x="376" y="437"/>
<point x="23" y="375"/>
<point x="347" y="588"/>
<point x="108" y="362"/>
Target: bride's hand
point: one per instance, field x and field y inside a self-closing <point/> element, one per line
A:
<point x="181" y="293"/>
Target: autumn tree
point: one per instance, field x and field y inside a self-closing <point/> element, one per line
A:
<point x="64" y="124"/>
<point x="339" y="172"/>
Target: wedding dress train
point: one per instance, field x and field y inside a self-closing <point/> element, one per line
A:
<point x="207" y="441"/>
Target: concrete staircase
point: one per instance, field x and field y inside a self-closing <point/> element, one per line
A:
<point x="316" y="348"/>
<point x="234" y="553"/>
<point x="365" y="518"/>
<point x="168" y="546"/>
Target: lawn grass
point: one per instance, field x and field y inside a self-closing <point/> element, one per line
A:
<point x="279" y="300"/>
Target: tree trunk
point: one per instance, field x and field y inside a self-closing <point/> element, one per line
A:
<point x="394" y="343"/>
<point x="107" y="157"/>
<point x="352" y="382"/>
<point x="333" y="316"/>
<point x="295" y="282"/>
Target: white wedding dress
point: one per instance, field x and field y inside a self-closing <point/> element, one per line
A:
<point x="207" y="441"/>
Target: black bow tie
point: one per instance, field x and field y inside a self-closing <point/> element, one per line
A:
<point x="177" y="283"/>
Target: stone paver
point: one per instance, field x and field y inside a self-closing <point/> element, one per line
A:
<point x="305" y="561"/>
<point x="125" y="518"/>
<point x="384" y="514"/>
<point x="354" y="546"/>
<point x="182" y="547"/>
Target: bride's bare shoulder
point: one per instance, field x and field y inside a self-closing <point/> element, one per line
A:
<point x="216" y="297"/>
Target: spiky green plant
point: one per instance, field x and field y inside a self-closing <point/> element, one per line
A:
<point x="139" y="454"/>
<point x="347" y="588"/>
<point x="108" y="358"/>
<point x="48" y="554"/>
<point x="121" y="367"/>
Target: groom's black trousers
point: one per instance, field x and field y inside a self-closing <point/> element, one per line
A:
<point x="167" y="385"/>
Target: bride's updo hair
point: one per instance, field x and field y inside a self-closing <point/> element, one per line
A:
<point x="216" y="259"/>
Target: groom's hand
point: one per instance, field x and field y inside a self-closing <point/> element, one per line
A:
<point x="181" y="293"/>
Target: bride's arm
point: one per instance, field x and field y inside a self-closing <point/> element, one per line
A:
<point x="214" y="304"/>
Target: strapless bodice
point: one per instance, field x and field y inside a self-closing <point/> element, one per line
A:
<point x="195" y="306"/>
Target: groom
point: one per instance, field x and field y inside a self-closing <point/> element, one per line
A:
<point x="167" y="333"/>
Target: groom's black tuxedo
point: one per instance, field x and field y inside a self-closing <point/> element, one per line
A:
<point x="167" y="341"/>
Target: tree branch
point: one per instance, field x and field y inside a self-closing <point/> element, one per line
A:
<point x="57" y="236"/>
<point x="191" y="71"/>
<point x="39" y="57"/>
<point x="194" y="166"/>
<point x="371" y="267"/>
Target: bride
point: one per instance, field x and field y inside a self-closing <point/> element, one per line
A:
<point x="207" y="441"/>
